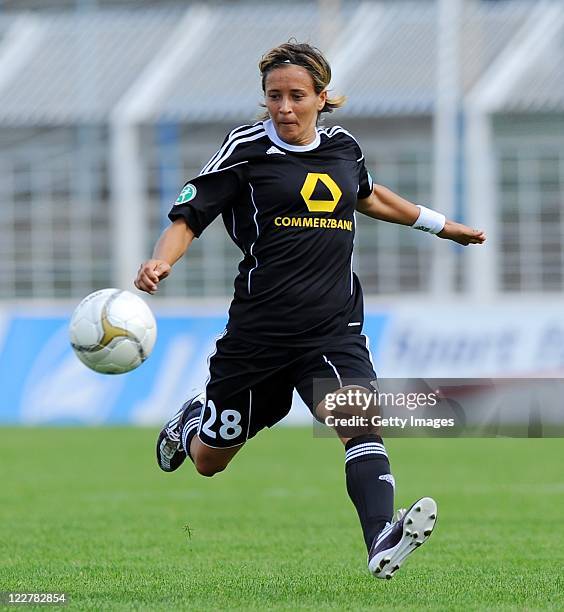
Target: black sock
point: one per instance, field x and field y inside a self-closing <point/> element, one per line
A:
<point x="370" y="484"/>
<point x="191" y="421"/>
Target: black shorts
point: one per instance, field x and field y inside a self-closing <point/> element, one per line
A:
<point x="251" y="386"/>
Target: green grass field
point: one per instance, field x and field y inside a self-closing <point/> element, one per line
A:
<point x="87" y="512"/>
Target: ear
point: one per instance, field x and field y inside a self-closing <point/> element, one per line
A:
<point x="321" y="100"/>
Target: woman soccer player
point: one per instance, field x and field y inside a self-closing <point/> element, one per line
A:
<point x="288" y="191"/>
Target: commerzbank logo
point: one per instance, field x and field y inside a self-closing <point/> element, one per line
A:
<point x="321" y="183"/>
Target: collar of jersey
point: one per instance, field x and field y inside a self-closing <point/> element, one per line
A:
<point x="271" y="133"/>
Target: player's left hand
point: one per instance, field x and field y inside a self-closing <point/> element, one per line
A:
<point x="462" y="234"/>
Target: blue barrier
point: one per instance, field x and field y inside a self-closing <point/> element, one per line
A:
<point x="43" y="382"/>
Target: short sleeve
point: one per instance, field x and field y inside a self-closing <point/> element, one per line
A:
<point x="365" y="181"/>
<point x="205" y="197"/>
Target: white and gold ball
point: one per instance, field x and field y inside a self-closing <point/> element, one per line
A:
<point x="112" y="331"/>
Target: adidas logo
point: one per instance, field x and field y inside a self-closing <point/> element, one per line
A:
<point x="273" y="150"/>
<point x="388" y="478"/>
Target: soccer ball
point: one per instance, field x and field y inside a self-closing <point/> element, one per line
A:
<point x="112" y="331"/>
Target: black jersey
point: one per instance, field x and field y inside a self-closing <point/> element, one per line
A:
<point x="290" y="209"/>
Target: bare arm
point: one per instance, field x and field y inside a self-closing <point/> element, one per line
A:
<point x="170" y="247"/>
<point x="386" y="205"/>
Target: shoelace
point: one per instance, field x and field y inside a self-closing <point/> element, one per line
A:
<point x="173" y="435"/>
<point x="400" y="513"/>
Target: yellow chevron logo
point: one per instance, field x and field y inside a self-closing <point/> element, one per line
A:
<point x="309" y="187"/>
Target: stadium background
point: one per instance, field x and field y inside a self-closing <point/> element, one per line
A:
<point x="107" y="107"/>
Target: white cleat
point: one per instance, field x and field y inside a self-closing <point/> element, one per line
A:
<point x="170" y="454"/>
<point x="398" y="539"/>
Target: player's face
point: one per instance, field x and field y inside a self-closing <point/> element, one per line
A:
<point x="293" y="104"/>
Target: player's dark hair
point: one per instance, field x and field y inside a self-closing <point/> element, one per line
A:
<point x="310" y="58"/>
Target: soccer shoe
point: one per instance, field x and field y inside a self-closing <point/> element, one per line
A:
<point x="402" y="536"/>
<point x="170" y="454"/>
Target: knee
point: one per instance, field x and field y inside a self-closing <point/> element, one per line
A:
<point x="353" y="411"/>
<point x="208" y="468"/>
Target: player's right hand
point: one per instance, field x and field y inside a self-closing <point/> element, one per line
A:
<point x="150" y="273"/>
